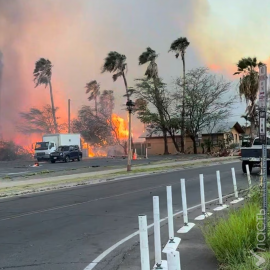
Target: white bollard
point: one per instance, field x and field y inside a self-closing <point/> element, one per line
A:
<point x="173" y="241"/>
<point x="173" y="259"/>
<point x="204" y="213"/>
<point x="144" y="247"/>
<point x="159" y="264"/>
<point x="248" y="176"/>
<point x="170" y="213"/>
<point x="235" y="189"/>
<point x="187" y="226"/>
<point x="221" y="205"/>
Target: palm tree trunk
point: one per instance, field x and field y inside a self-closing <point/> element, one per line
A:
<point x="183" y="108"/>
<point x="96" y="105"/>
<point x="125" y="81"/>
<point x="53" y="108"/>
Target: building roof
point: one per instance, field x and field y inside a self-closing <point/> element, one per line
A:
<point x="218" y="129"/>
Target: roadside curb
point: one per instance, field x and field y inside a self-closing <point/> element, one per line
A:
<point x="32" y="186"/>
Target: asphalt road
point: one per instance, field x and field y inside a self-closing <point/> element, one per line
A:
<point x="14" y="169"/>
<point x="68" y="229"/>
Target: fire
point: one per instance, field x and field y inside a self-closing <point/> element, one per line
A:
<point x="120" y="130"/>
<point x="96" y="152"/>
<point x="120" y="126"/>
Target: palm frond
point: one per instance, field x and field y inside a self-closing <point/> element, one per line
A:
<point x="93" y="88"/>
<point x="117" y="75"/>
<point x="148" y="55"/>
<point x="179" y="45"/>
<point x="42" y="72"/>
<point x="114" y="62"/>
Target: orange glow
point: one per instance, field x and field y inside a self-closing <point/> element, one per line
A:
<point x="121" y="127"/>
<point x="120" y="131"/>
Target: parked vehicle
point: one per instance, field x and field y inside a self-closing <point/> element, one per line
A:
<point x="66" y="153"/>
<point x="51" y="142"/>
<point x="251" y="156"/>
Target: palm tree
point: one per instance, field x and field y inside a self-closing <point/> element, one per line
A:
<point x="93" y="88"/>
<point x="42" y="75"/>
<point x="116" y="63"/>
<point x="179" y="46"/>
<point x="149" y="56"/>
<point x="249" y="86"/>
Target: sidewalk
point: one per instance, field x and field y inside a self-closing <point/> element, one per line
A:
<point x="99" y="174"/>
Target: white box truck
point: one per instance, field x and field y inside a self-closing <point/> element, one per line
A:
<point x="50" y="143"/>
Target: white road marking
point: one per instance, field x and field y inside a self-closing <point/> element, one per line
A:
<point x="97" y="260"/>
<point x="14" y="173"/>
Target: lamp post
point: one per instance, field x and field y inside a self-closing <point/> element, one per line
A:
<point x="130" y="106"/>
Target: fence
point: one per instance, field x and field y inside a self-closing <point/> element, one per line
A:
<point x="170" y="249"/>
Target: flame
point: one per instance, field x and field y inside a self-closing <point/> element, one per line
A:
<point x="120" y="126"/>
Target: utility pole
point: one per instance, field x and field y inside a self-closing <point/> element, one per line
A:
<point x="1" y="72"/>
<point x="263" y="138"/>
<point x="68" y="115"/>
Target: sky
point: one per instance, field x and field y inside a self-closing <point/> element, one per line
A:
<point x="76" y="35"/>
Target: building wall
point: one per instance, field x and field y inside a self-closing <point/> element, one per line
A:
<point x="155" y="146"/>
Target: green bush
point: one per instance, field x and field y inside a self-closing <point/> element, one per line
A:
<point x="232" y="238"/>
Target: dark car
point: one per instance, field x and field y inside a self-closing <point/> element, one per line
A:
<point x="66" y="153"/>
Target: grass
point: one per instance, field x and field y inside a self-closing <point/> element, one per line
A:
<point x="231" y="237"/>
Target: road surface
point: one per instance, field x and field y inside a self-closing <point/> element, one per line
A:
<point x="68" y="229"/>
<point x="16" y="169"/>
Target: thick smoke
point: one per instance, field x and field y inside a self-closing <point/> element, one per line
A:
<point x="30" y="30"/>
<point x="1" y="72"/>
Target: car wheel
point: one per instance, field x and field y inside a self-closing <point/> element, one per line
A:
<point x="38" y="159"/>
<point x="79" y="158"/>
<point x="52" y="161"/>
<point x="67" y="159"/>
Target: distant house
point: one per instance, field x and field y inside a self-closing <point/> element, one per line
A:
<point x="233" y="130"/>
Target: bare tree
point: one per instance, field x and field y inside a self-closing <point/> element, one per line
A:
<point x="149" y="56"/>
<point x="39" y="121"/>
<point x="206" y="100"/>
<point x="156" y="107"/>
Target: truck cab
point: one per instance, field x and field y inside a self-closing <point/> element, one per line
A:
<point x="43" y="150"/>
<point x="252" y="156"/>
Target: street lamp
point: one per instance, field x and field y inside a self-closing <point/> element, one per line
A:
<point x="130" y="106"/>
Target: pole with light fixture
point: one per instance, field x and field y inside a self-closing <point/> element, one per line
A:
<point x="130" y="106"/>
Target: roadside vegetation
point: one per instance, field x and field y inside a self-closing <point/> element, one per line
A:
<point x="11" y="151"/>
<point x="233" y="236"/>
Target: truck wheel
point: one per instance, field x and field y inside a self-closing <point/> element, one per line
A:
<point x="52" y="161"/>
<point x="67" y="159"/>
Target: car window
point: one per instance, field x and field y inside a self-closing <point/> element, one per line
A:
<point x="257" y="141"/>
